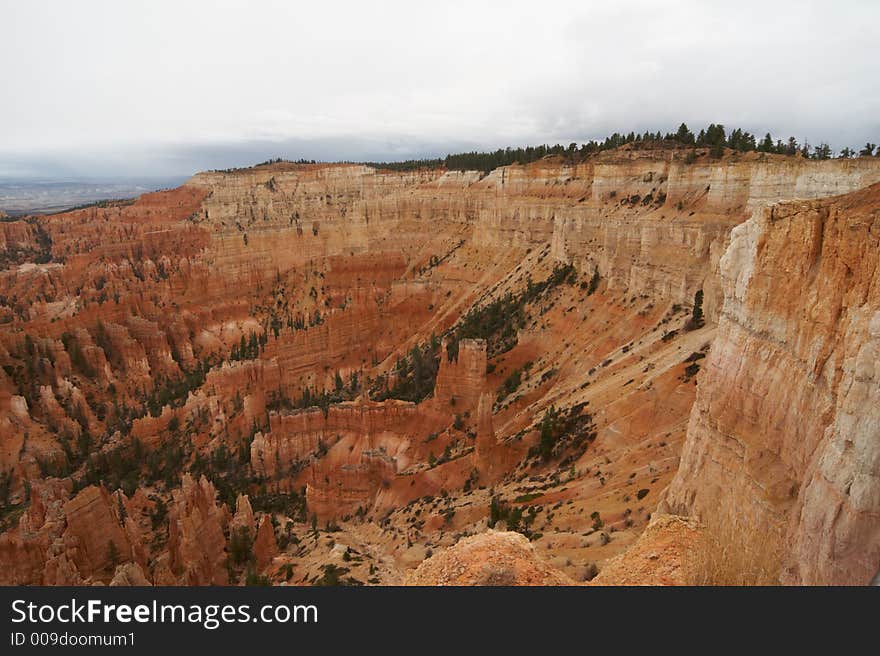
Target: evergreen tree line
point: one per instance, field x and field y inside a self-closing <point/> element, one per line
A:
<point x="714" y="136"/>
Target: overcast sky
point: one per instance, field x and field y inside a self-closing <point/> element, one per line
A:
<point x="92" y="88"/>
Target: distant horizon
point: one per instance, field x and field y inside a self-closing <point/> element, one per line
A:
<point x="170" y="89"/>
<point x="249" y="155"/>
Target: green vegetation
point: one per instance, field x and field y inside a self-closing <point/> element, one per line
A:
<point x="714" y="136"/>
<point x="5" y="486"/>
<point x="510" y="384"/>
<point x="594" y="282"/>
<point x="109" y="202"/>
<point x="248" y="349"/>
<point x="241" y="553"/>
<point x="229" y="470"/>
<point x="498" y="321"/>
<point x="323" y="399"/>
<point x="515" y="517"/>
<point x="159" y="514"/>
<point x="240" y="546"/>
<point x="41" y="253"/>
<point x="549" y="433"/>
<point x="414" y="375"/>
<point x="268" y="162"/>
<point x="174" y="391"/>
<point x="292" y="504"/>
<point x="77" y="359"/>
<point x="564" y="432"/>
<point x="696" y="320"/>
<point x="333" y="576"/>
<point x="252" y="578"/>
<point x="531" y="496"/>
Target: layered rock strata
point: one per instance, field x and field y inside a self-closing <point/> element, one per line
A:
<point x="785" y="430"/>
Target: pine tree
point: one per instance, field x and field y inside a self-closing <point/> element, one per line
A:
<point x="684" y="135"/>
<point x="822" y="151"/>
<point x="548" y="433"/>
<point x="715" y="135"/>
<point x="121" y="509"/>
<point x="696" y="320"/>
<point x="766" y="145"/>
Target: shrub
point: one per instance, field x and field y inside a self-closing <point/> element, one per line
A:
<point x="239" y="546"/>
<point x="510" y="385"/>
<point x="594" y="282"/>
<point x="252" y="578"/>
<point x="333" y="576"/>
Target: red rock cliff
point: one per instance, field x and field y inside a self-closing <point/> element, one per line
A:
<point x="785" y="430"/>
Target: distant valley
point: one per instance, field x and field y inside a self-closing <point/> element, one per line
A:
<point x="42" y="197"/>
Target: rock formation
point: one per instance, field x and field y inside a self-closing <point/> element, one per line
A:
<point x="129" y="574"/>
<point x="490" y="559"/>
<point x="533" y="333"/>
<point x="196" y="541"/>
<point x="265" y="546"/>
<point x="462" y="379"/>
<point x="801" y="302"/>
<point x="486" y="445"/>
<point x="96" y="539"/>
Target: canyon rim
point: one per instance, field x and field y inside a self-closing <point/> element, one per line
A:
<point x="604" y="369"/>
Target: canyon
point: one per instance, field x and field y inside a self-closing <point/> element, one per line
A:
<point x="551" y="373"/>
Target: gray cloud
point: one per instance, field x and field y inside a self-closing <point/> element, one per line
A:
<point x="166" y="88"/>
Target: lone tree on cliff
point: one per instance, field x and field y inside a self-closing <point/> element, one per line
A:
<point x="696" y="320"/>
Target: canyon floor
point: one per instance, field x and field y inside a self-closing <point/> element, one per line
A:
<point x="555" y="373"/>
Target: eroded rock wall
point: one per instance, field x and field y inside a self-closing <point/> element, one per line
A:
<point x="785" y="429"/>
<point x="188" y="318"/>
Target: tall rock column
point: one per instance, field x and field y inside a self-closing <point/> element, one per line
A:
<point x="486" y="444"/>
<point x="461" y="381"/>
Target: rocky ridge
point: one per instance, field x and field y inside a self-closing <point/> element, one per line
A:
<point x="530" y="332"/>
